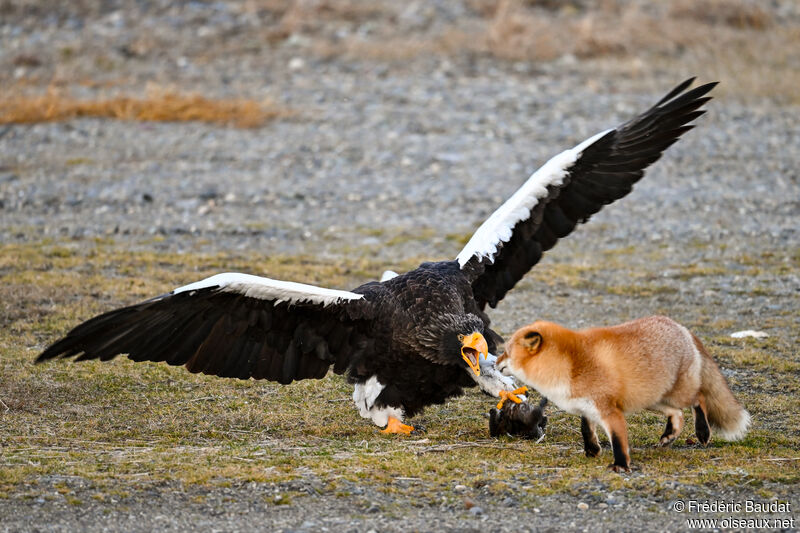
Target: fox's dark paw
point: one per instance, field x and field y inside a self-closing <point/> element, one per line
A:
<point x="592" y="451"/>
<point x="619" y="468"/>
<point x="666" y="441"/>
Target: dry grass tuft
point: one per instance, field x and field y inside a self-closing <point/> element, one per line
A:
<point x="518" y="31"/>
<point x="312" y="16"/>
<point x="743" y="43"/>
<point x="158" y="105"/>
<point x="515" y="35"/>
<point x="736" y="41"/>
<point x="396" y="49"/>
<point x="743" y="14"/>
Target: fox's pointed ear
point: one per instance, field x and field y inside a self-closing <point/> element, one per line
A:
<point x="531" y="341"/>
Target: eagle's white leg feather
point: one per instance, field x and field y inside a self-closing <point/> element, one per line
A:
<point x="364" y="396"/>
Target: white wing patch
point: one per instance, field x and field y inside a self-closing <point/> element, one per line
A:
<point x="388" y="274"/>
<point x="271" y="289"/>
<point x="499" y="226"/>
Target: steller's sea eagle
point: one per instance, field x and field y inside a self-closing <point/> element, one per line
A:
<point x="410" y="340"/>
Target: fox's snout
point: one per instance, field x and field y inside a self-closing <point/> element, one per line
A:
<point x="502" y="365"/>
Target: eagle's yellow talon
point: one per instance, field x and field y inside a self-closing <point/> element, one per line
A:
<point x="510" y="395"/>
<point x="395" y="426"/>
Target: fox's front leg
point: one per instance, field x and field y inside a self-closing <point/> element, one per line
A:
<point x="590" y="444"/>
<point x="617" y="429"/>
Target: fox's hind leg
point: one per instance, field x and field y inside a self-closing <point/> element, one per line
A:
<point x="617" y="429"/>
<point x="701" y="427"/>
<point x="674" y="425"/>
<point x="590" y="444"/>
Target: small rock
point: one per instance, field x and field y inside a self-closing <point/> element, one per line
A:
<point x="25" y="60"/>
<point x="567" y="60"/>
<point x="460" y="488"/>
<point x="476" y="511"/>
<point x="373" y="509"/>
<point x="296" y="63"/>
<point x="583" y="506"/>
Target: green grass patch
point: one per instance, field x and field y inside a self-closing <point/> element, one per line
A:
<point x="123" y="426"/>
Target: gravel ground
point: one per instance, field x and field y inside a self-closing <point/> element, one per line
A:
<point x="407" y="153"/>
<point x="252" y="506"/>
<point x="416" y="153"/>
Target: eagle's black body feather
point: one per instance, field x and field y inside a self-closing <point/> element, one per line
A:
<point x="404" y="332"/>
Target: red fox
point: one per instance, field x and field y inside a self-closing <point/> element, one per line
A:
<point x="602" y="374"/>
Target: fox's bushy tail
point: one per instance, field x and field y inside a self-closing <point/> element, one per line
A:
<point x="725" y="414"/>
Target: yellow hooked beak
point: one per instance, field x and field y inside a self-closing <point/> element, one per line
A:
<point x="472" y="346"/>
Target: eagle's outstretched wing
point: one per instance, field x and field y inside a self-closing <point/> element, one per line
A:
<point x="570" y="188"/>
<point x="231" y="325"/>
